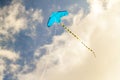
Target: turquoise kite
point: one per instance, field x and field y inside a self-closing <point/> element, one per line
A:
<point x="56" y="18"/>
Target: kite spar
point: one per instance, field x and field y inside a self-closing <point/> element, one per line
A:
<point x="56" y="18"/>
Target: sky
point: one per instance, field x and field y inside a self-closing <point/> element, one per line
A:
<point x="29" y="50"/>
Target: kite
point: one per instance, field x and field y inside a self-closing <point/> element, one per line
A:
<point x="56" y="18"/>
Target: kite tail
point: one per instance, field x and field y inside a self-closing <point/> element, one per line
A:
<point x="68" y="30"/>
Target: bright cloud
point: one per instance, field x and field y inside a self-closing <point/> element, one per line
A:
<point x="101" y="26"/>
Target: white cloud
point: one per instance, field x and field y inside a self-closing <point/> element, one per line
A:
<point x="9" y="18"/>
<point x="99" y="29"/>
<point x="2" y="68"/>
<point x="14" y="67"/>
<point x="15" y="17"/>
<point x="11" y="55"/>
<point x="57" y="53"/>
<point x="102" y="29"/>
<point x="37" y="16"/>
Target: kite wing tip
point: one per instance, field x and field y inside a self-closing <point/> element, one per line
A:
<point x="48" y="26"/>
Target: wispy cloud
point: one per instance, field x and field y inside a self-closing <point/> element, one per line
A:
<point x="11" y="55"/>
<point x="13" y="19"/>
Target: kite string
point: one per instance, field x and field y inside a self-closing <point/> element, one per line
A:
<point x="68" y="30"/>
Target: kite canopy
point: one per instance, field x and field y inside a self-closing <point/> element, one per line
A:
<point x="56" y="17"/>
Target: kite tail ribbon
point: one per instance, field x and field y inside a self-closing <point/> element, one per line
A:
<point x="68" y="30"/>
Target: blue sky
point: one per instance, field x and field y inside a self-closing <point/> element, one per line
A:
<point x="32" y="51"/>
